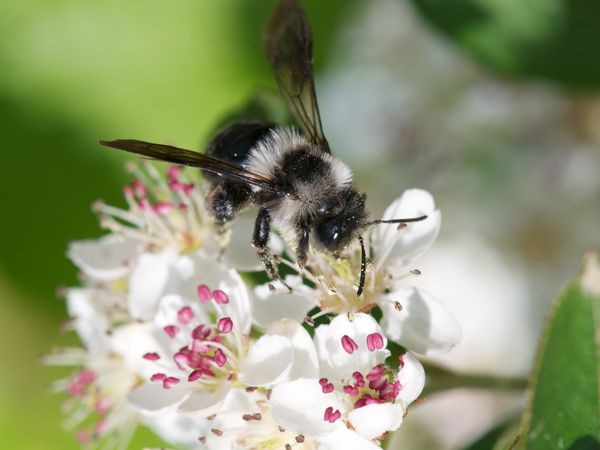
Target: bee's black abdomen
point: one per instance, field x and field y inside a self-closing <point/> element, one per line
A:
<point x="234" y="142"/>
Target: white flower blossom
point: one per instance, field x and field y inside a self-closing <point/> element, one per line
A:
<point x="203" y="350"/>
<point x="166" y="323"/>
<point x="411" y="316"/>
<point x="358" y="398"/>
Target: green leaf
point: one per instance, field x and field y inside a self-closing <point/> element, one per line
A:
<point x="563" y="410"/>
<point x="553" y="39"/>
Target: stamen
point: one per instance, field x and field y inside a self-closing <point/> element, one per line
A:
<point x="169" y="382"/>
<point x="171" y="330"/>
<point x="100" y="426"/>
<point x="249" y="417"/>
<point x="326" y="386"/>
<point x="216" y="431"/>
<point x="151" y="356"/>
<point x="182" y="360"/>
<point x="219" y="357"/>
<point x="225" y="325"/>
<point x="83" y="437"/>
<point x="374" y="342"/>
<point x="163" y="207"/>
<point x="351" y="390"/>
<point x="184" y="315"/>
<point x="102" y="406"/>
<point x="196" y="375"/>
<point x="300" y="439"/>
<point x="375" y="373"/>
<point x="158" y="377"/>
<point x="401" y="360"/>
<point x="348" y="344"/>
<point x="359" y="379"/>
<point x="220" y="297"/>
<point x="173" y="173"/>
<point x="204" y="293"/>
<point x="330" y="415"/>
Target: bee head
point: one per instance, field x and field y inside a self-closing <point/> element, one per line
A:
<point x="341" y="222"/>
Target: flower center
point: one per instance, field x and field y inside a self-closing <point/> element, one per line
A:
<point x="339" y="283"/>
<point x="160" y="213"/>
<point x="210" y="352"/>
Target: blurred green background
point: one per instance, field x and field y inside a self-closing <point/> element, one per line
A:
<point x="490" y="105"/>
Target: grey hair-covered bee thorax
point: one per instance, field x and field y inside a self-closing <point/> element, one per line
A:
<point x="310" y="180"/>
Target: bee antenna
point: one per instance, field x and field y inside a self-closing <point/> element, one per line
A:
<point x="410" y="219"/>
<point x="363" y="267"/>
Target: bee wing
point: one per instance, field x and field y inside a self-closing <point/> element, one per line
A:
<point x="288" y="46"/>
<point x="176" y="155"/>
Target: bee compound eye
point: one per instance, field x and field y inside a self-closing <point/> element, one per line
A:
<point x="331" y="234"/>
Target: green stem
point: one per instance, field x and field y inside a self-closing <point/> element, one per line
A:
<point x="440" y="379"/>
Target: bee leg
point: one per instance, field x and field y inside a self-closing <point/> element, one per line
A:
<point x="302" y="246"/>
<point x="224" y="200"/>
<point x="260" y="241"/>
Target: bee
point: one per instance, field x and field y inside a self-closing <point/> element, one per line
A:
<point x="301" y="189"/>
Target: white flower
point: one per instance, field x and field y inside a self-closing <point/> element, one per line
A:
<point x="246" y="423"/>
<point x="411" y="317"/>
<point x="98" y="389"/>
<point x="358" y="398"/>
<point x="202" y="350"/>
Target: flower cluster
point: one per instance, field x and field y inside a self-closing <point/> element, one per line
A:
<point x="175" y="336"/>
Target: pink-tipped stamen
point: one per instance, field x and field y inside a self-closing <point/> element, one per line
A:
<point x="199" y="346"/>
<point x="171" y="330"/>
<point x="375" y="373"/>
<point x="204" y="293"/>
<point x="326" y="386"/>
<point x="196" y="375"/>
<point x="151" y="356"/>
<point x="330" y="415"/>
<point x="351" y="390"/>
<point x="102" y="406"/>
<point x="158" y="377"/>
<point x="173" y="173"/>
<point x="220" y="297"/>
<point x="187" y="188"/>
<point x="374" y="342"/>
<point x="163" y="207"/>
<point x="169" y="382"/>
<point x="220" y="358"/>
<point x="184" y="315"/>
<point x="358" y="379"/>
<point x="225" y="325"/>
<point x="348" y="344"/>
<point x="181" y="360"/>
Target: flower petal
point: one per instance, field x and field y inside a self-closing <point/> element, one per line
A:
<point x="299" y="405"/>
<point x="305" y="362"/>
<point x="341" y="438"/>
<point x="91" y="325"/>
<point x="131" y="342"/>
<point x="412" y="379"/>
<point x="397" y="248"/>
<point x="424" y="325"/>
<point x="105" y="259"/>
<point x="178" y="429"/>
<point x="269" y="360"/>
<point x="373" y="420"/>
<point x="269" y="307"/>
<point x="335" y="360"/>
<point x="204" y="403"/>
<point x="153" y="399"/>
<point x="220" y="276"/>
<point x="148" y="283"/>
